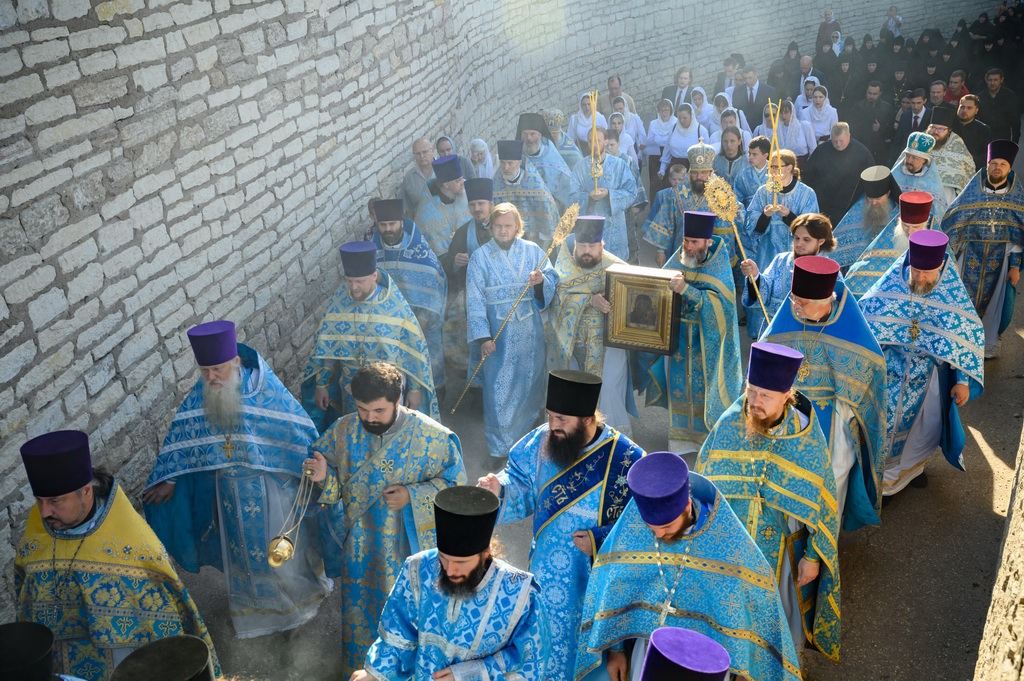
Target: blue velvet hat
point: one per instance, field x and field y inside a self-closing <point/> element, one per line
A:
<point x="927" y="249"/>
<point x="675" y="654"/>
<point x="57" y="463"/>
<point x="698" y="224"/>
<point x="359" y="258"/>
<point x="213" y="343"/>
<point x="1003" y="149"/>
<point x="589" y="229"/>
<point x="389" y="210"/>
<point x="773" y="366"/>
<point x="447" y="168"/>
<point x="510" y="150"/>
<point x="480" y="189"/>
<point x="660" y="483"/>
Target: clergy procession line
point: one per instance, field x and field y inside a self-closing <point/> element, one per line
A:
<point x="717" y="559"/>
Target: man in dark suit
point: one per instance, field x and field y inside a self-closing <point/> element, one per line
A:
<point x="914" y="120"/>
<point x="870" y="122"/>
<point x="682" y="90"/>
<point x="751" y="96"/>
<point x="727" y="78"/>
<point x="806" y="71"/>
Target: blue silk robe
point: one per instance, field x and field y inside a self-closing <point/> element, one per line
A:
<point x="499" y="632"/>
<point x="618" y="179"/>
<point x="366" y="543"/>
<point x="935" y="337"/>
<point x="761" y="248"/>
<point x="353" y="334"/>
<point x="928" y="181"/>
<point x="843" y="375"/>
<point x="534" y="201"/>
<point x="728" y="591"/>
<point x="555" y="171"/>
<point x="853" y="236"/>
<point x="514" y="375"/>
<point x="774" y="285"/>
<point x="704" y="375"/>
<point x="782" y="488"/>
<point x="748" y="182"/>
<point x="665" y="230"/>
<point x="587" y="496"/>
<point x="880" y="254"/>
<point x="438" y="217"/>
<point x="424" y="284"/>
<point x="569" y="151"/>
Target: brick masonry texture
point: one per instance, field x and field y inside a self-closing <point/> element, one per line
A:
<point x="165" y="163"/>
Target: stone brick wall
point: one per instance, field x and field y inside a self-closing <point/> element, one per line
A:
<point x="164" y="163"/>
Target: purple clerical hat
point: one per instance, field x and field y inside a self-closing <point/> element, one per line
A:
<point x="213" y="343"/>
<point x="510" y="150"/>
<point x="480" y="189"/>
<point x="675" y="654"/>
<point x="927" y="249"/>
<point x="698" y="225"/>
<point x="1003" y="149"/>
<point x="389" y="210"/>
<point x="447" y="168"/>
<point x="57" y="463"/>
<point x="773" y="366"/>
<point x="589" y="229"/>
<point x="358" y="258"/>
<point x="660" y="483"/>
<point x="814" y="277"/>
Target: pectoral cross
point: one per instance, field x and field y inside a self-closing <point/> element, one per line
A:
<point x="227" y="447"/>
<point x="804" y="371"/>
<point x="915" y="330"/>
<point x="666" y="610"/>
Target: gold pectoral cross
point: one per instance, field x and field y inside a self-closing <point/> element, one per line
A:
<point x="666" y="610"/>
<point x="804" y="371"/>
<point x="915" y="330"/>
<point x="227" y="447"/>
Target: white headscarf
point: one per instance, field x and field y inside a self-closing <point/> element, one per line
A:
<point x="486" y="169"/>
<point x="837" y="47"/>
<point x="818" y="116"/>
<point x="580" y="123"/>
<point x="801" y="102"/>
<point x="693" y="128"/>
<point x="659" y="130"/>
<point x="704" y="113"/>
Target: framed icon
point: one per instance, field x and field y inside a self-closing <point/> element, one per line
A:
<point x="644" y="310"/>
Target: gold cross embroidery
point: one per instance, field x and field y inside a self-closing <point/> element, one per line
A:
<point x="227" y="447"/>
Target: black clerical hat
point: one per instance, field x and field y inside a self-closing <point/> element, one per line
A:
<point x="389" y="210"/>
<point x="533" y="121"/>
<point x="573" y="393"/>
<point x="943" y="116"/>
<point x="464" y="518"/>
<point x="26" y="652"/>
<point x="877" y="180"/>
<point x="174" y="658"/>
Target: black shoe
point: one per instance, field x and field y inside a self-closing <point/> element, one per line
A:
<point x="920" y="482"/>
<point x="886" y="501"/>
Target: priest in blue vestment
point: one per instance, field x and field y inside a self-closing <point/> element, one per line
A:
<point x="555" y="120"/>
<point x="380" y="470"/>
<point x="367" y="320"/>
<point x="702" y="377"/>
<point x="914" y="171"/>
<point x="869" y="214"/>
<point x="986" y="233"/>
<point x="544" y="156"/>
<point x="769" y="459"/>
<point x="569" y="474"/>
<point x="674" y="177"/>
<point x="755" y="174"/>
<point x="404" y="254"/>
<point x="524" y="188"/>
<point x="916" y="212"/>
<point x="513" y="381"/>
<point x="766" y="231"/>
<point x="225" y="479"/>
<point x="493" y="626"/>
<point x="665" y="230"/>
<point x="933" y="342"/>
<point x="678" y="556"/>
<point x="89" y="568"/>
<point x="843" y="375"/>
<point x="812" y="235"/>
<point x="614" y="195"/>
<point x="446" y="208"/>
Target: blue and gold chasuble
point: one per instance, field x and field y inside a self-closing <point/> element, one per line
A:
<point x="853" y="236"/>
<point x="589" y="496"/>
<point x="232" y="493"/>
<point x="438" y="217"/>
<point x="365" y="543"/>
<point x="726" y="591"/>
<point x="534" y="200"/>
<point x="424" y="284"/>
<point x="382" y="328"/>
<point x="619" y="181"/>
<point x="880" y="254"/>
<point x="515" y="379"/>
<point x="986" y="233"/>
<point x="555" y="171"/>
<point x="664" y="230"/>
<point x="761" y="248"/>
<point x="921" y="335"/>
<point x="498" y="632"/>
<point x="843" y="375"/>
<point x="704" y="375"/>
<point x="103" y="592"/>
<point x="771" y="481"/>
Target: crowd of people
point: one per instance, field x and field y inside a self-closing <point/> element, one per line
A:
<point x="856" y="212"/>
